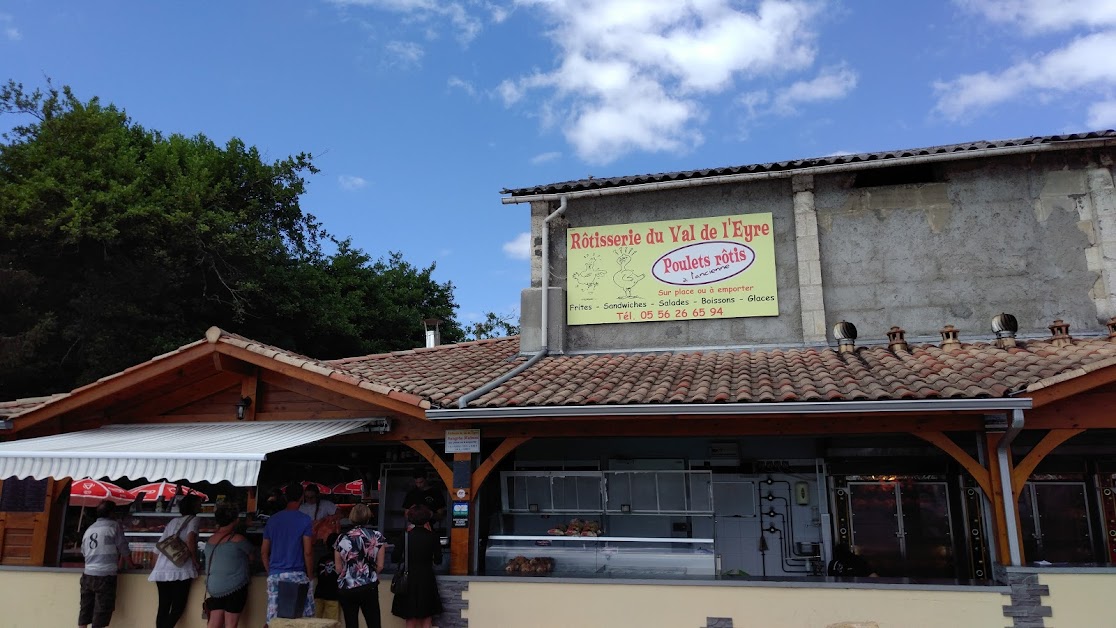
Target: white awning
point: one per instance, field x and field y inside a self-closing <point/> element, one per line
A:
<point x="196" y="452"/>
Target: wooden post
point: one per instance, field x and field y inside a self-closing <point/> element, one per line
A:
<point x="999" y="513"/>
<point x="461" y="550"/>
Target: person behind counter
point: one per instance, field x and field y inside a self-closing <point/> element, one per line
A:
<point x="848" y="564"/>
<point x="286" y="551"/>
<point x="358" y="557"/>
<point x="421" y="601"/>
<point x="228" y="555"/>
<point x="172" y="581"/>
<point x="426" y="495"/>
<point x="105" y="551"/>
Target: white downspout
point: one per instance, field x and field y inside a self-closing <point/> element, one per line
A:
<point x="1002" y="451"/>
<point x="544" y="328"/>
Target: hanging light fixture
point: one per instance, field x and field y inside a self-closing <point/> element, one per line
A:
<point x="242" y="407"/>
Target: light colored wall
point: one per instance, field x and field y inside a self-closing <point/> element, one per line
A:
<point x="542" y="605"/>
<point x="1080" y="600"/>
<point x="1030" y="235"/>
<point x="50" y="598"/>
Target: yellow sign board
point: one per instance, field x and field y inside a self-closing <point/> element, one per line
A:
<point x="702" y="268"/>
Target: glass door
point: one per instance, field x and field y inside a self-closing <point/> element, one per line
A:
<point x="1054" y="520"/>
<point x="903" y="529"/>
<point x="927" y="529"/>
<point x="874" y="525"/>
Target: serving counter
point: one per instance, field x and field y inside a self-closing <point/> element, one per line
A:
<point x="599" y="557"/>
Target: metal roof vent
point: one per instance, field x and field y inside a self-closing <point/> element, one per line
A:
<point x="1059" y="334"/>
<point x="1112" y="328"/>
<point x="845" y="333"/>
<point x="1005" y="325"/>
<point x="950" y="339"/>
<point x="897" y="339"/>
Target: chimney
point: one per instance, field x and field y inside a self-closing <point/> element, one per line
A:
<point x="950" y="340"/>
<point x="1005" y="327"/>
<point x="897" y="340"/>
<point x="433" y="331"/>
<point x="1059" y="334"/>
<point x="1112" y="328"/>
<point x="845" y="333"/>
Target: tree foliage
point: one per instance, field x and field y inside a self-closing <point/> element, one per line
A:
<point x="493" y="326"/>
<point x="118" y="243"/>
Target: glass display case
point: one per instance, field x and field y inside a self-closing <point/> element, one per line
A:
<point x="599" y="557"/>
<point x="143" y="529"/>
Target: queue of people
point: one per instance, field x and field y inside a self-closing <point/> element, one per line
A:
<point x="342" y="583"/>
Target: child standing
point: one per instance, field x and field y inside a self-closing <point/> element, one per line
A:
<point x="325" y="591"/>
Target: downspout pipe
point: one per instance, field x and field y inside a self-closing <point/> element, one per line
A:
<point x="544" y="327"/>
<point x="1003" y="455"/>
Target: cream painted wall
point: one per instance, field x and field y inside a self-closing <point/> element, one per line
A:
<point x="50" y="598"/>
<point x="543" y="605"/>
<point x="1080" y="600"/>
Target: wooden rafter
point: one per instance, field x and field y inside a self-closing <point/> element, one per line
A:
<point x="1073" y="386"/>
<point x="1087" y="411"/>
<point x="387" y="402"/>
<point x="339" y="400"/>
<point x="177" y="398"/>
<point x="975" y="469"/>
<point x="426" y="451"/>
<point x="502" y="450"/>
<point x="1027" y="465"/>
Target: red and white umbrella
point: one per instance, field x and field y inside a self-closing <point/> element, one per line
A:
<point x="322" y="488"/>
<point x="90" y="492"/>
<point x="167" y="490"/>
<point x="356" y="487"/>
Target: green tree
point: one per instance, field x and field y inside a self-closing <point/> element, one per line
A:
<point x="118" y="243"/>
<point x="493" y="326"/>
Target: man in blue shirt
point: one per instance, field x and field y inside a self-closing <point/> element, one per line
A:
<point x="286" y="551"/>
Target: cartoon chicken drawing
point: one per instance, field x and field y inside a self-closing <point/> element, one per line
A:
<point x="589" y="277"/>
<point x="625" y="277"/>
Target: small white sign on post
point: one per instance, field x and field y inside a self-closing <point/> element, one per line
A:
<point x="462" y="441"/>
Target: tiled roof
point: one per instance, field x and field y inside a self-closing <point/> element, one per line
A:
<point x="976" y="370"/>
<point x="442" y="373"/>
<point x="781" y="166"/>
<point x="215" y="335"/>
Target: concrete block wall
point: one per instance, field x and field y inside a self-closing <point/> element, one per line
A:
<point x="1031" y="235"/>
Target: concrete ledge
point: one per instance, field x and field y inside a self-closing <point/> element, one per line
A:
<point x="878" y="584"/>
<point x="304" y="622"/>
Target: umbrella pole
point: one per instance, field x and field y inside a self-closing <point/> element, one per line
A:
<point x="80" y="517"/>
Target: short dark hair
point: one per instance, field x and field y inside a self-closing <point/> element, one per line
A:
<point x="293" y="492"/>
<point x="105" y="509"/>
<point x="419" y="515"/>
<point x="226" y="513"/>
<point x="312" y="488"/>
<point x="418" y="473"/>
<point x="190" y="505"/>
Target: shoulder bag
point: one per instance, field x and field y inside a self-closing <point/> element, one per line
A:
<point x="400" y="582"/>
<point x="173" y="547"/>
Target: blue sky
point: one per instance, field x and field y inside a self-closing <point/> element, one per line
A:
<point x="420" y="111"/>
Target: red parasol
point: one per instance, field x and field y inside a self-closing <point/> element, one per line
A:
<point x="356" y="487"/>
<point x="90" y="492"/>
<point x="166" y="490"/>
<point x="322" y="488"/>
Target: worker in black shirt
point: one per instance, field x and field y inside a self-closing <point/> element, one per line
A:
<point x="429" y="496"/>
<point x="848" y="564"/>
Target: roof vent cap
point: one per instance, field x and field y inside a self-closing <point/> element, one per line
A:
<point x="1005" y="325"/>
<point x="897" y="339"/>
<point x="1059" y="333"/>
<point x="950" y="338"/>
<point x="845" y="333"/>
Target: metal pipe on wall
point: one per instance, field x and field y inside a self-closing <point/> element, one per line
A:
<point x="1003" y="450"/>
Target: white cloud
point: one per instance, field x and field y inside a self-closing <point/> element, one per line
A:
<point x="830" y="84"/>
<point x="631" y="75"/>
<point x="465" y="86"/>
<point x="542" y="158"/>
<point x="404" y="54"/>
<point x="1102" y="115"/>
<point x="1075" y="67"/>
<point x="7" y="27"/>
<point x="519" y="247"/>
<point x="350" y="182"/>
<point x="464" y="24"/>
<point x="1045" y="15"/>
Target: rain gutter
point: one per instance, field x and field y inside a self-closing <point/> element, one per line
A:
<point x="1017" y="405"/>
<point x="544" y="328"/>
<point x="827" y="169"/>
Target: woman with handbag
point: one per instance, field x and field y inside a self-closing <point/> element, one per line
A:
<point x="358" y="556"/>
<point x="227" y="556"/>
<point x="177" y="562"/>
<point x="416" y="596"/>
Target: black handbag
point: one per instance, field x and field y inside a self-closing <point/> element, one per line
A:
<point x="400" y="582"/>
